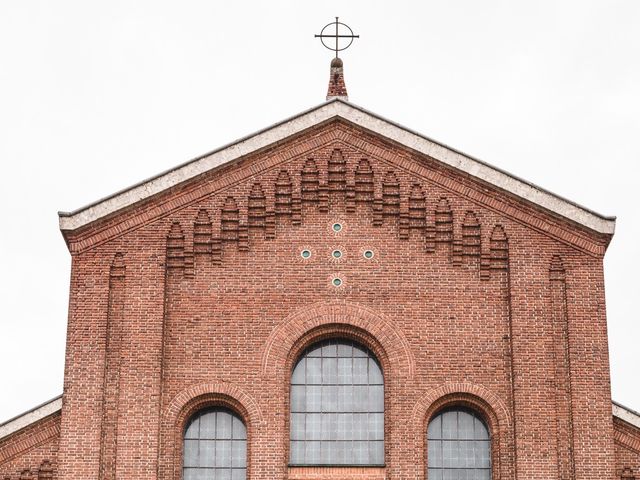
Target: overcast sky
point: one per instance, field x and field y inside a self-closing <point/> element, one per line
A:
<point x="95" y="96"/>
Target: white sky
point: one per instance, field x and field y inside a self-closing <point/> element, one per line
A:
<point x="95" y="96"/>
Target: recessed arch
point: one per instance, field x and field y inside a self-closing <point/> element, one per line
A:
<point x="474" y="397"/>
<point x="335" y="318"/>
<point x="196" y="398"/>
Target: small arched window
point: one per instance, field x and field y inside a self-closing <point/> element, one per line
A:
<point x="459" y="446"/>
<point x="337" y="406"/>
<point x="215" y="446"/>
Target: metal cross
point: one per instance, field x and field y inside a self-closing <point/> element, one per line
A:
<point x="337" y="36"/>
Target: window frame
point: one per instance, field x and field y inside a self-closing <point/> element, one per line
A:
<point x="217" y="408"/>
<point x="477" y="410"/>
<point x="372" y="352"/>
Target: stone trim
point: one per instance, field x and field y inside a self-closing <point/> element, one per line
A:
<point x="626" y="414"/>
<point x="32" y="416"/>
<point x="358" y="116"/>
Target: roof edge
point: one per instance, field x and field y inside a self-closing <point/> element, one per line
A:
<point x="359" y="116"/>
<point x="30" y="416"/>
<point x="626" y="414"/>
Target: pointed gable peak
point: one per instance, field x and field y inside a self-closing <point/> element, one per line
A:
<point x="334" y="109"/>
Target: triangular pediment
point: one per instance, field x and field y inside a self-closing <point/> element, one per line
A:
<point x="334" y="125"/>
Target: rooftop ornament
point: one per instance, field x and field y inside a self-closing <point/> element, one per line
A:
<point x="337" y="42"/>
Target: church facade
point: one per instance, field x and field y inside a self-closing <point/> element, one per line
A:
<point x="334" y="297"/>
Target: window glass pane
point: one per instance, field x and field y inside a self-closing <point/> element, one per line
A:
<point x="192" y="429"/>
<point x="190" y="474"/>
<point x="360" y="351"/>
<point x="360" y="367"/>
<point x="239" y="430"/>
<point x="375" y="374"/>
<point x="360" y="426"/>
<point x="312" y="453"/>
<point x="208" y="425"/>
<point x="337" y="406"/>
<point x="297" y="452"/>
<point x="465" y="425"/>
<point x="435" y="428"/>
<point x="223" y="425"/>
<point x="376" y="426"/>
<point x="482" y="452"/>
<point x="239" y="454"/>
<point x="360" y="453"/>
<point x="207" y="456"/>
<point x="329" y="371"/>
<point x="239" y="474"/>
<point x="449" y="454"/>
<point x="360" y="399"/>
<point x="345" y="350"/>
<point x="298" y="375"/>
<point x="376" y="452"/>
<point x="345" y="426"/>
<point x="467" y="457"/>
<point x="435" y="453"/>
<point x="314" y="426"/>
<point x="450" y="424"/>
<point x="191" y="453"/>
<point x="435" y="474"/>
<point x="329" y="426"/>
<point x="298" y="401"/>
<point x="298" y="426"/>
<point x="315" y="351"/>
<point x="224" y="474"/>
<point x="314" y="399"/>
<point x="314" y="371"/>
<point x="481" y="431"/>
<point x="345" y="398"/>
<point x="345" y="371"/>
<point x="376" y="398"/>
<point x="223" y="453"/>
<point x="329" y="349"/>
<point x="330" y="399"/>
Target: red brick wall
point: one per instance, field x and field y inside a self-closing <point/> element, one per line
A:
<point x="31" y="453"/>
<point x="200" y="296"/>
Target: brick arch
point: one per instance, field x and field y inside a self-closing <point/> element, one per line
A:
<point x="476" y="397"/>
<point x="396" y="351"/>
<point x="188" y="402"/>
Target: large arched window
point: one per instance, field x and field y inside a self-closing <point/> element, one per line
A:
<point x="459" y="446"/>
<point x="337" y="406"/>
<point x="215" y="446"/>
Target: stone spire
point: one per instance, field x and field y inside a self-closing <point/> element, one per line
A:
<point x="337" y="87"/>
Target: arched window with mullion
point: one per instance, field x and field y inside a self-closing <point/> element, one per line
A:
<point x="459" y="446"/>
<point x="337" y="406"/>
<point x="215" y="446"/>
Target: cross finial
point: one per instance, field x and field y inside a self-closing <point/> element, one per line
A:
<point x="337" y="87"/>
<point x="342" y="31"/>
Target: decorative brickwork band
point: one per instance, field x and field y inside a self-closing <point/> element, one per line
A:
<point x="113" y="353"/>
<point x="45" y="472"/>
<point x="563" y="391"/>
